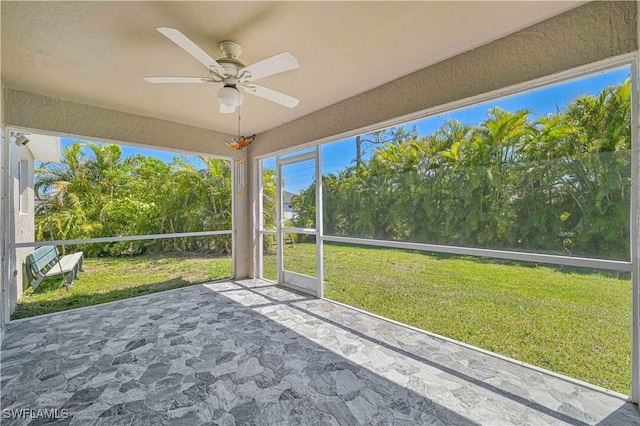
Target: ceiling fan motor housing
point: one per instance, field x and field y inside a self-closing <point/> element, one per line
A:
<point x="231" y="64"/>
<point x="231" y="49"/>
<point x="231" y="67"/>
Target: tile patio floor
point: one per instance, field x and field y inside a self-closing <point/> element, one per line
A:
<point x="249" y="353"/>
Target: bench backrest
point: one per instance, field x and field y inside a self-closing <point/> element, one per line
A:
<point x="41" y="259"/>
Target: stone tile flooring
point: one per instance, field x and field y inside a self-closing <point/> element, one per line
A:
<point x="249" y="353"/>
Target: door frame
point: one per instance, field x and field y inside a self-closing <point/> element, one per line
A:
<point x="304" y="283"/>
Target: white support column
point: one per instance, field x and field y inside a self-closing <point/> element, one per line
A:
<point x="241" y="223"/>
<point x="319" y="224"/>
<point x="279" y="245"/>
<point x="258" y="221"/>
<point x="9" y="295"/>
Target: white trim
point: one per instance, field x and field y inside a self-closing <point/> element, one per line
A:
<point x="281" y="229"/>
<point x="296" y="281"/>
<point x="319" y="226"/>
<point x="83" y="308"/>
<point x="258" y="222"/>
<point x="117" y="239"/>
<point x="634" y="216"/>
<point x="266" y="232"/>
<point x="294" y="230"/>
<point x="614" y="265"/>
<point x="297" y="158"/>
<point x="234" y="195"/>
<point x="486" y="352"/>
<point x="279" y="241"/>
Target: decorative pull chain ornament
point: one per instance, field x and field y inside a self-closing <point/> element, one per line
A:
<point x="240" y="143"/>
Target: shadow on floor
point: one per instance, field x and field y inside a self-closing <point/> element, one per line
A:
<point x="627" y="415"/>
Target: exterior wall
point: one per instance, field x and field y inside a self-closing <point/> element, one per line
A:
<point x="24" y="219"/>
<point x="10" y="268"/>
<point x="16" y="230"/>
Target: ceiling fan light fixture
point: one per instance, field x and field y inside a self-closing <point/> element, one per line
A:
<point x="230" y="96"/>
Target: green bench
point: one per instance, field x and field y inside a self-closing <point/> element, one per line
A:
<point x="45" y="263"/>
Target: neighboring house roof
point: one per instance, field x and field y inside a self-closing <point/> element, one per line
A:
<point x="44" y="148"/>
<point x="288" y="196"/>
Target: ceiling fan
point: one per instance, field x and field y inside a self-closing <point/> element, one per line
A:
<point x="232" y="73"/>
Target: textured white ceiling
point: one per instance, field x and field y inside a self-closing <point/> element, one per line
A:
<point x="98" y="52"/>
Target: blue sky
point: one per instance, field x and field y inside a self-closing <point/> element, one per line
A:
<point x="340" y="154"/>
<point x="128" y="151"/>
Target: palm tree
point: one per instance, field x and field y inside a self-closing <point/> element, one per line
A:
<point x="269" y="198"/>
<point x="72" y="196"/>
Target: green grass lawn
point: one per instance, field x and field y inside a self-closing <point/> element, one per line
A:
<point x="109" y="279"/>
<point x="567" y="320"/>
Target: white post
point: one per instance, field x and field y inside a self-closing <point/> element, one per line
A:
<point x="635" y="252"/>
<point x="8" y="212"/>
<point x="258" y="220"/>
<point x="234" y="222"/>
<point x="280" y="248"/>
<point x="319" y="226"/>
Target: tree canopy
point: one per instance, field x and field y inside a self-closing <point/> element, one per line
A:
<point x="96" y="192"/>
<point x="556" y="184"/>
<point x="559" y="184"/>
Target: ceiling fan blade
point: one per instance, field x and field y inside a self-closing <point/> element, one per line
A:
<point x="192" y="49"/>
<point x="226" y="109"/>
<point x="270" y="66"/>
<point x="271" y="95"/>
<point x="179" y="80"/>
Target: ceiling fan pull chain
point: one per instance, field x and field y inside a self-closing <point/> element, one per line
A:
<point x="238" y="114"/>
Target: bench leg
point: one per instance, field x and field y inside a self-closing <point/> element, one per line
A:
<point x="73" y="274"/>
<point x="68" y="280"/>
